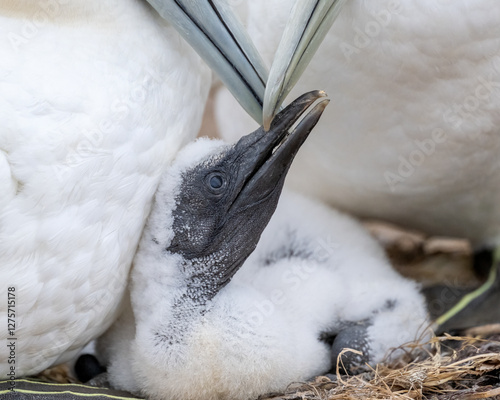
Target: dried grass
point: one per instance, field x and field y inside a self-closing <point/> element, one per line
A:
<point x="444" y="369"/>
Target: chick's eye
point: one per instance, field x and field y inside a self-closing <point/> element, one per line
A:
<point x="216" y="181"/>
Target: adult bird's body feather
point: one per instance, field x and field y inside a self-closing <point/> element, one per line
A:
<point x="97" y="97"/>
<point x="413" y="135"/>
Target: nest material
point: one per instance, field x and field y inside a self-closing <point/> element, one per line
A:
<point x="447" y="368"/>
<point x="58" y="374"/>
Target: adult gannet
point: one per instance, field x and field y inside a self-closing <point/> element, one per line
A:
<point x="413" y="137"/>
<point x="203" y="323"/>
<point x="97" y="97"/>
<point x="414" y="134"/>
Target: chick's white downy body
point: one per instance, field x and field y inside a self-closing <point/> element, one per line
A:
<point x="314" y="273"/>
<point x="412" y="135"/>
<point x="97" y="96"/>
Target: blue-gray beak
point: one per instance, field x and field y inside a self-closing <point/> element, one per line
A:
<point x="212" y="29"/>
<point x="307" y="26"/>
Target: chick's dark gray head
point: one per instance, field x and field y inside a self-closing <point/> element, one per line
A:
<point x="226" y="200"/>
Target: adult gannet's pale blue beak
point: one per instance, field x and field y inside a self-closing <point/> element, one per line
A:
<point x="306" y="28"/>
<point x="212" y="29"/>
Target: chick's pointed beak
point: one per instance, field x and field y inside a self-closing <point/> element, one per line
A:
<point x="306" y="28"/>
<point x="262" y="160"/>
<point x="265" y="157"/>
<point x="212" y="29"/>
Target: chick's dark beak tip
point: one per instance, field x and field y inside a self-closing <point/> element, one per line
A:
<point x="300" y="104"/>
<point x="299" y="110"/>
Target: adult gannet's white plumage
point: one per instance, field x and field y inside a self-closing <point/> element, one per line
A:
<point x="193" y="331"/>
<point x="96" y="98"/>
<point x="414" y="135"/>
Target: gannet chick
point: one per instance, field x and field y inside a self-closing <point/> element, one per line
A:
<point x="204" y="324"/>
